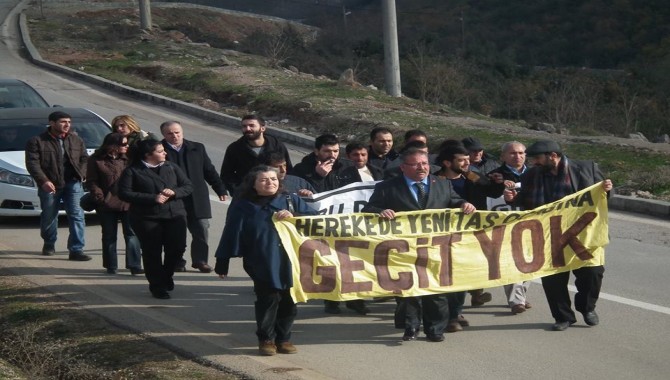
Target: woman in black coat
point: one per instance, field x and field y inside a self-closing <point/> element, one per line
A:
<point x="155" y="189"/>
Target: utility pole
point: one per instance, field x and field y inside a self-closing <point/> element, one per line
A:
<point x="462" y="34"/>
<point x="345" y="13"/>
<point x="145" y="14"/>
<point x="391" y="55"/>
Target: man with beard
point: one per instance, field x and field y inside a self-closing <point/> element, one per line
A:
<point x="360" y="170"/>
<point x="319" y="166"/>
<point x="243" y="154"/>
<point x="381" y="152"/>
<point x="417" y="189"/>
<point x="552" y="177"/>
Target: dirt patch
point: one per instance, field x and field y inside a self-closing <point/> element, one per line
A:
<point x="42" y="339"/>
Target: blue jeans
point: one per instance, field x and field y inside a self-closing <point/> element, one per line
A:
<point x="109" y="222"/>
<point x="456" y="302"/>
<point x="50" y="203"/>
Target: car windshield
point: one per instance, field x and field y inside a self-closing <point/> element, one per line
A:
<point x="14" y="134"/>
<point x="18" y="96"/>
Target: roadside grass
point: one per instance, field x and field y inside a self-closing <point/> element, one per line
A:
<point x="46" y="337"/>
<point x="189" y="73"/>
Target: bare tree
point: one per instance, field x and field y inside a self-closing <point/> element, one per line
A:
<point x="276" y="49"/>
<point x="420" y="61"/>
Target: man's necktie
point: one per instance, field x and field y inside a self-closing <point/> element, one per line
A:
<point x="422" y="197"/>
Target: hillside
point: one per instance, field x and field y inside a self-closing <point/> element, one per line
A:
<point x="198" y="55"/>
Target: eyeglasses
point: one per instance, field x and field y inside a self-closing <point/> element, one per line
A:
<point x="123" y="144"/>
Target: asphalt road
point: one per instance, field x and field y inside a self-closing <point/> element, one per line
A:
<point x="213" y="319"/>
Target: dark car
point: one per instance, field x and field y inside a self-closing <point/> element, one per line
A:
<point x="16" y="93"/>
<point x="18" y="192"/>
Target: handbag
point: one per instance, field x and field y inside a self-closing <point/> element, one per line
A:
<point x="87" y="202"/>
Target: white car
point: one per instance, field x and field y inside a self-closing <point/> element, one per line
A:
<point x="18" y="191"/>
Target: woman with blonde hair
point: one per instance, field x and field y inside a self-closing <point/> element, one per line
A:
<point x="130" y="129"/>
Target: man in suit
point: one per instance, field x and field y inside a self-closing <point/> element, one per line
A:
<point x="192" y="158"/>
<point x="417" y="189"/>
<point x="552" y="177"/>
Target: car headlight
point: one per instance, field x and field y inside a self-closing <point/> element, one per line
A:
<point x="16" y="179"/>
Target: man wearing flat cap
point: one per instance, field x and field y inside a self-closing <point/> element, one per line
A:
<point x="479" y="160"/>
<point x="552" y="177"/>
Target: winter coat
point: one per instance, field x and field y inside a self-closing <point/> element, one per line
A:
<point x="139" y="186"/>
<point x="250" y="233"/>
<point x="102" y="177"/>
<point x="44" y="160"/>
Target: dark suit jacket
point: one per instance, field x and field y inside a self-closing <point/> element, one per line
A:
<point x="200" y="170"/>
<point x="582" y="175"/>
<point x="394" y="194"/>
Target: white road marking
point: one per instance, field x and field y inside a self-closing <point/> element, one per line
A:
<point x="622" y="300"/>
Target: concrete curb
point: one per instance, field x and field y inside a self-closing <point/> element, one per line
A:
<point x="616" y="202"/>
<point x="178" y="105"/>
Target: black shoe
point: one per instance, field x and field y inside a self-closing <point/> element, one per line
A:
<point x="135" y="271"/>
<point x="435" y="337"/>
<point x="358" y="306"/>
<point x="170" y="285"/>
<point x="160" y="294"/>
<point x="79" y="256"/>
<point x="48" y="250"/>
<point x="410" y="334"/>
<point x="332" y="307"/>
<point x="591" y="318"/>
<point x="111" y="271"/>
<point x="202" y="267"/>
<point x="561" y="326"/>
<point x="180" y="268"/>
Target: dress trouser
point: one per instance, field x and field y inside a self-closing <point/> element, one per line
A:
<point x="588" y="282"/>
<point x="516" y="293"/>
<point x="156" y="236"/>
<point x="456" y="302"/>
<point x="275" y="313"/>
<point x="433" y="310"/>
<point x="199" y="229"/>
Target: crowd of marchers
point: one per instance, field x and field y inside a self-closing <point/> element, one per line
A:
<point x="158" y="189"/>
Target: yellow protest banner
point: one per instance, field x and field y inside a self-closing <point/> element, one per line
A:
<point x="350" y="256"/>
